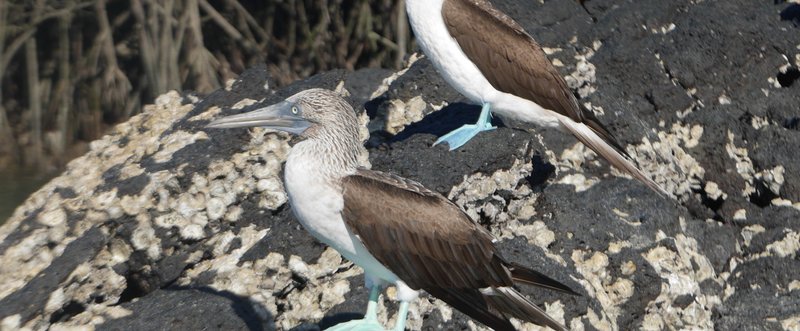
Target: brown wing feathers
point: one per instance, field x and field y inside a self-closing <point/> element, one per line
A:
<point x="528" y="276"/>
<point x="509" y="57"/>
<point x="514" y="63"/>
<point x="402" y="224"/>
<point x="432" y="245"/>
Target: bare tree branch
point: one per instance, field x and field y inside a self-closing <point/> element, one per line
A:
<point x="64" y="89"/>
<point x="5" y="127"/>
<point x="201" y="61"/>
<point x="34" y="94"/>
<point x="98" y="60"/>
<point x="221" y="21"/>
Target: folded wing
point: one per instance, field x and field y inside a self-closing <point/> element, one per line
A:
<point x="431" y="244"/>
<point x="513" y="62"/>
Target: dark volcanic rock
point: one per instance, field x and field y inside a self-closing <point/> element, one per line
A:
<point x="191" y="309"/>
<point x="31" y="299"/>
<point x="165" y="225"/>
<point x="776" y="146"/>
<point x="762" y="299"/>
<point x="414" y="158"/>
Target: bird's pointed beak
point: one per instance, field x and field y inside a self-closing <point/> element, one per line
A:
<point x="282" y="116"/>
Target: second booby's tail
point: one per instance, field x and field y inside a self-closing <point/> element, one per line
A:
<point x="592" y="134"/>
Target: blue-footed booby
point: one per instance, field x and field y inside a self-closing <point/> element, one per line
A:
<point x="398" y="231"/>
<point x="487" y="56"/>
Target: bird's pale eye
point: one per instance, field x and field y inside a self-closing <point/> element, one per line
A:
<point x="294" y="110"/>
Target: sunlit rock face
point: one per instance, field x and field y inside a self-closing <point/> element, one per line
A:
<point x="165" y="223"/>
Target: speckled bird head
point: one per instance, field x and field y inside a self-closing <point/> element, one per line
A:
<point x="313" y="113"/>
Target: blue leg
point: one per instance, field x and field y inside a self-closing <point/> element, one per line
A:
<point x="370" y="320"/>
<point x="462" y="135"/>
<point x="402" y="315"/>
<point x="372" y="306"/>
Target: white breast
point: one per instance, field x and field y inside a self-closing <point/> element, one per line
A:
<point x="316" y="206"/>
<point x="318" y="203"/>
<point x="443" y="51"/>
<point x="461" y="73"/>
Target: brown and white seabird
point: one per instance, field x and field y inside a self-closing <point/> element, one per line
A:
<point x="490" y="59"/>
<point x="398" y="231"/>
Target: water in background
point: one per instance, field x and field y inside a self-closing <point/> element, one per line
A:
<point x="16" y="185"/>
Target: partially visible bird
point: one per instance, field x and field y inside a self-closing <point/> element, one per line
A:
<point x="398" y="231"/>
<point x="486" y="56"/>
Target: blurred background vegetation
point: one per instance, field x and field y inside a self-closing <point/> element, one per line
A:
<point x="71" y="69"/>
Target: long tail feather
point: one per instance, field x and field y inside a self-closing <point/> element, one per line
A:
<point x="474" y="304"/>
<point x="511" y="302"/>
<point x="602" y="143"/>
<point x="532" y="277"/>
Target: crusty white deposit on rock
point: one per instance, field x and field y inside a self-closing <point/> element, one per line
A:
<point x="65" y="219"/>
<point x="195" y="207"/>
<point x="160" y="204"/>
<point x="84" y="177"/>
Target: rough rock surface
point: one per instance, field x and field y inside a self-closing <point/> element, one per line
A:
<point x="165" y="224"/>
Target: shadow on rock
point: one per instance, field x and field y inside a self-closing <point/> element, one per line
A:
<point x="193" y="308"/>
<point x="328" y="321"/>
<point x="542" y="171"/>
<point x="791" y="13"/>
<point x="445" y="120"/>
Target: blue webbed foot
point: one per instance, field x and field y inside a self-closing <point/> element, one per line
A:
<point x="462" y="135"/>
<point x="370" y="320"/>
<point x="358" y="325"/>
